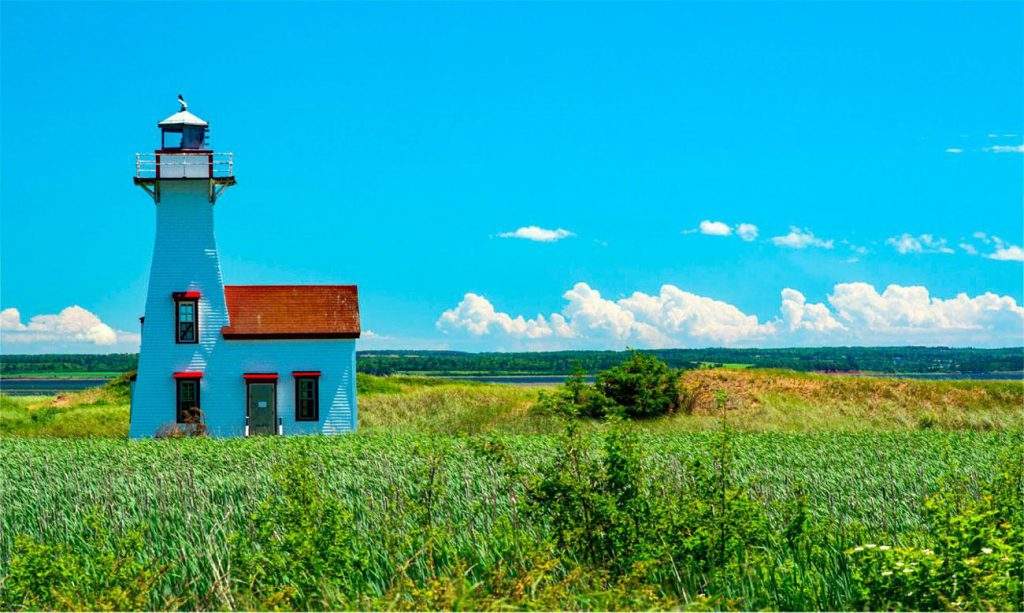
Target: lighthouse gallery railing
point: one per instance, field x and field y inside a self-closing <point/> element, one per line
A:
<point x="190" y="165"/>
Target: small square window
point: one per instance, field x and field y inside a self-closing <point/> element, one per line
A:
<point x="186" y="324"/>
<point x="307" y="399"/>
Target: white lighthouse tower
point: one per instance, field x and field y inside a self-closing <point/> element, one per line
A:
<point x="230" y="360"/>
<point x="185" y="306"/>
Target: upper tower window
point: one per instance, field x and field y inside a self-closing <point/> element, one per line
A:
<point x="186" y="317"/>
<point x="183" y="131"/>
<point x="183" y="137"/>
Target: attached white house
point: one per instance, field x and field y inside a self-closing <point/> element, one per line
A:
<point x="241" y="359"/>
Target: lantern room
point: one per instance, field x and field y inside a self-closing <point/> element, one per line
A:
<point x="184" y="154"/>
<point x="183" y="131"/>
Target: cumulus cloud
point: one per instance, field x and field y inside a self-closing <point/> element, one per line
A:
<point x="747" y="231"/>
<point x="797" y="314"/>
<point x="72" y="328"/>
<point x="969" y="249"/>
<point x="924" y="243"/>
<point x="909" y="314"/>
<point x="1003" y="251"/>
<point x="1005" y="149"/>
<point x="855" y="313"/>
<point x="1008" y="253"/>
<point x="477" y="315"/>
<point x="649" y="320"/>
<point x="714" y="228"/>
<point x="954" y="150"/>
<point x="538" y="234"/>
<point x="801" y="239"/>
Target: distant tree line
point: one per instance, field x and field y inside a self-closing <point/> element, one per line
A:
<point x="67" y="363"/>
<point x="829" y="359"/>
<point x="837" y="359"/>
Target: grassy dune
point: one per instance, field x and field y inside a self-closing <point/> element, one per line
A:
<point x="793" y="401"/>
<point x="756" y="400"/>
<point x="96" y="412"/>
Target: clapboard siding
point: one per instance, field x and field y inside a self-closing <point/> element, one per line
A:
<point x="185" y="259"/>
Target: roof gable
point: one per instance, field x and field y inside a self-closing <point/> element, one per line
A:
<point x="291" y="311"/>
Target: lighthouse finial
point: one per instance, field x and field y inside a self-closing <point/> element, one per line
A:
<point x="181" y="101"/>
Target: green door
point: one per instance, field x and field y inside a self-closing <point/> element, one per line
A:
<point x="262" y="408"/>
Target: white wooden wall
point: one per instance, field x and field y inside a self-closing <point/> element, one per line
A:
<point x="185" y="259"/>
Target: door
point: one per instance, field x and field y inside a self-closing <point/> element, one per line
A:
<point x="262" y="408"/>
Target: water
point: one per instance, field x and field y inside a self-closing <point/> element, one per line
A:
<point x="46" y="387"/>
<point x="518" y="380"/>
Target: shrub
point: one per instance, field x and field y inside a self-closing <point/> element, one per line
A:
<point x="105" y="572"/>
<point x="576" y="398"/>
<point x="643" y="385"/>
<point x="607" y="515"/>
<point x="299" y="549"/>
<point x="975" y="560"/>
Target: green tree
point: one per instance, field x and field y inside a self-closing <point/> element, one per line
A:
<point x="643" y="386"/>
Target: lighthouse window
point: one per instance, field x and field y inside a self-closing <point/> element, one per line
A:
<point x="186" y="324"/>
<point x="307" y="399"/>
<point x="188" y="401"/>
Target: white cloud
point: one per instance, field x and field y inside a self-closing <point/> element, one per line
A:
<point x="714" y="228"/>
<point x="954" y="150"/>
<point x="477" y="316"/>
<point x="909" y="315"/>
<point x="800" y="239"/>
<point x="538" y="234"/>
<point x="969" y="248"/>
<point x="747" y="231"/>
<point x="1005" y="149"/>
<point x="74" y="328"/>
<point x="799" y="315"/>
<point x="924" y="243"/>
<point x="855" y="313"/>
<point x="1009" y="253"/>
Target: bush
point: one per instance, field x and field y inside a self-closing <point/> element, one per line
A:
<point x="975" y="560"/>
<point x="607" y="514"/>
<point x="300" y="549"/>
<point x="105" y="572"/>
<point x="576" y="399"/>
<point x="643" y="386"/>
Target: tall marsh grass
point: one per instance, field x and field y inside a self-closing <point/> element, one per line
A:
<point x="461" y="499"/>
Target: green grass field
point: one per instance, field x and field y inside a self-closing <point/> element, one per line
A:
<point x="454" y="495"/>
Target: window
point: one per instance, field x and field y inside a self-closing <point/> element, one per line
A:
<point x="186" y="324"/>
<point x="307" y="397"/>
<point x="188" y="401"/>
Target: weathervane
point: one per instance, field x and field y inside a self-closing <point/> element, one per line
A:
<point x="181" y="101"/>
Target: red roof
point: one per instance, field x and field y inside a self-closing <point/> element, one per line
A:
<point x="292" y="311"/>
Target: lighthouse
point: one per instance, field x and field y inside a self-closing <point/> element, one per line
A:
<point x="240" y="360"/>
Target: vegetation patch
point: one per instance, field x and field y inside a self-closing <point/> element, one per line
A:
<point x="786" y="398"/>
<point x="613" y="519"/>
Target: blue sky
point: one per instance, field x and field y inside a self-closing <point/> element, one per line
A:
<point x="392" y="145"/>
